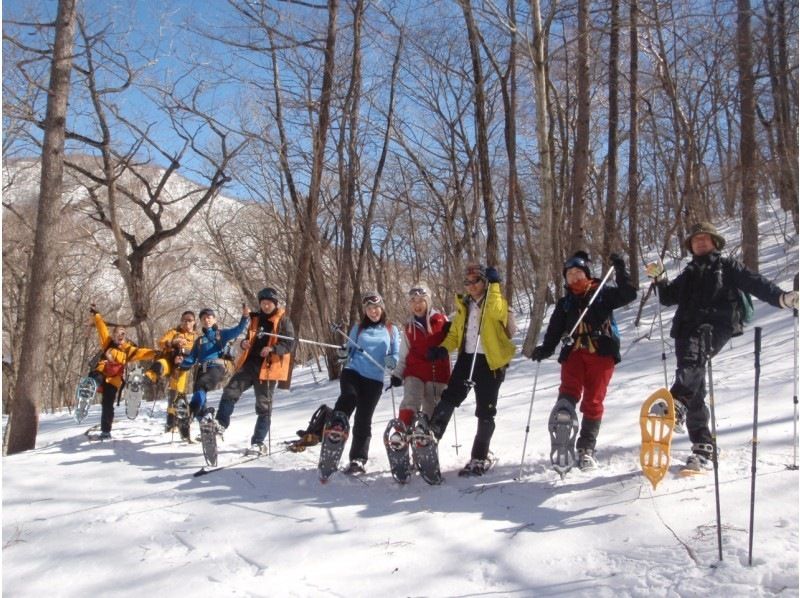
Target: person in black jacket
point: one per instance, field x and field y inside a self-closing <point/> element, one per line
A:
<point x="587" y="358"/>
<point x="707" y="295"/>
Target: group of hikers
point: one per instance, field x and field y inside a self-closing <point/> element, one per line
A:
<point x="416" y="354"/>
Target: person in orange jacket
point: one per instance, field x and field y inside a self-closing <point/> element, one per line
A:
<point x="175" y="343"/>
<point x="265" y="360"/>
<point x="117" y="352"/>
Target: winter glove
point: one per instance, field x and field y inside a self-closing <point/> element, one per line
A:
<point x="789" y="300"/>
<point x="436" y="353"/>
<point x="396" y="381"/>
<point x="93" y="309"/>
<point x="617" y="261"/>
<point x="540" y="353"/>
<point x="492" y="275"/>
<point x="655" y="270"/>
<point x="342" y="352"/>
<point x="389" y="362"/>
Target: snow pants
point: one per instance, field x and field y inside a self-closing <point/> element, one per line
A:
<point x="206" y="378"/>
<point x="108" y="396"/>
<point x="689" y="386"/>
<point x="419" y="396"/>
<point x="487" y="388"/>
<point x="246" y="377"/>
<point x="361" y="395"/>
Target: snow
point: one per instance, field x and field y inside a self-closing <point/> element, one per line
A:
<point x="127" y="517"/>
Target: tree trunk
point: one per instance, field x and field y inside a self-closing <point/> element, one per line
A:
<point x="482" y="135"/>
<point x="747" y="140"/>
<point x="24" y="422"/>
<point x="542" y="265"/>
<point x="633" y="151"/>
<point x="610" y="233"/>
<point x="581" y="145"/>
<point x="308" y="218"/>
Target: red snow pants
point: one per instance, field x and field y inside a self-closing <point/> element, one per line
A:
<point x="585" y="377"/>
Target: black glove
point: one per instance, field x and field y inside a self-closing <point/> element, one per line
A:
<point x="540" y="353"/>
<point x="617" y="261"/>
<point x="396" y="381"/>
<point x="342" y="352"/>
<point x="492" y="275"/>
<point x="436" y="353"/>
<point x="93" y="309"/>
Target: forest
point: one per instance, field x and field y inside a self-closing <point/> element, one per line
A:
<point x="163" y="156"/>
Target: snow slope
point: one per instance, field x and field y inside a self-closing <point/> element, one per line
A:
<point x="127" y="517"/>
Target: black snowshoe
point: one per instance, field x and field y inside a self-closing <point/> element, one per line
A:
<point x="563" y="428"/>
<point x="425" y="451"/>
<point x="84" y="396"/>
<point x="334" y="437"/>
<point x="395" y="438"/>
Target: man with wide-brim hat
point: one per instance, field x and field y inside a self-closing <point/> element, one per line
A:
<point x="707" y="294"/>
<point x="704" y="228"/>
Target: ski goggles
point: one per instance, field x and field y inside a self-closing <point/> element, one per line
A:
<point x="418" y="292"/>
<point x="372" y="300"/>
<point x="576" y="262"/>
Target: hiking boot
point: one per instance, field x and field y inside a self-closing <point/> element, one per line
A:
<point x="586" y="460"/>
<point x="356" y="467"/>
<point x="475" y="467"/>
<point x="258" y="448"/>
<point x="397" y="441"/>
<point x="105" y="436"/>
<point x="697" y="462"/>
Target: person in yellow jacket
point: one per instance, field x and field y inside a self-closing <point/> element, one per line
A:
<point x="265" y="360"/>
<point x="175" y="344"/>
<point x="481" y="333"/>
<point x="117" y="351"/>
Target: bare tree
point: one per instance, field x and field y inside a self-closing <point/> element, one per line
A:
<point x="24" y="421"/>
<point x="747" y="139"/>
<point x="580" y="148"/>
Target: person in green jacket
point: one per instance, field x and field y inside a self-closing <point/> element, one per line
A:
<point x="481" y="332"/>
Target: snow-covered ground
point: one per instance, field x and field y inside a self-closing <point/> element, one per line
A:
<point x="127" y="517"/>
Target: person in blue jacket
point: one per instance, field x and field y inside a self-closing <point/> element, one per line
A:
<point x="206" y="354"/>
<point x="374" y="348"/>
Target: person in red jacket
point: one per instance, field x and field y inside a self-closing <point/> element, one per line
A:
<point x="424" y="380"/>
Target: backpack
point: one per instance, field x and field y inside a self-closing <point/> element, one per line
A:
<point x="744" y="303"/>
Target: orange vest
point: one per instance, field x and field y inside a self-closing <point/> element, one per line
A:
<point x="273" y="367"/>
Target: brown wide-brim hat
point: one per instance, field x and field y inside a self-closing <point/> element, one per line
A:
<point x="704" y="228"/>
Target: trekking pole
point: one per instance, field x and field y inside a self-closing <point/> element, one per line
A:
<point x="303" y="340"/>
<point x="706" y="331"/>
<point x="661" y="329"/>
<point x="338" y="329"/>
<point x="793" y="466"/>
<point x="528" y="425"/>
<point x="755" y="444"/>
<point x="567" y="338"/>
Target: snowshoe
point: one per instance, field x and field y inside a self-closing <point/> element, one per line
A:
<point x="334" y="437"/>
<point x="183" y="417"/>
<point x="209" y="428"/>
<point x="563" y="428"/>
<point x="657" y="421"/>
<point x="425" y="451"/>
<point x="395" y="438"/>
<point x="476" y="467"/>
<point x="84" y="396"/>
<point x="134" y="390"/>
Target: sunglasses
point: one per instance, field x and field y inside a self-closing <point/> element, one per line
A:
<point x="471" y="281"/>
<point x="418" y="292"/>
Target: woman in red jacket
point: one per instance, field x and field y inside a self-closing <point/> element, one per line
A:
<point x="424" y="380"/>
